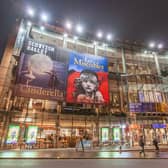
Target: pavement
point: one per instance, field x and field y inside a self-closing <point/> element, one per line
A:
<point x="106" y="152"/>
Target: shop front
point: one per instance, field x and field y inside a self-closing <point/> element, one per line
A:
<point x="114" y="135"/>
<point x="157" y="130"/>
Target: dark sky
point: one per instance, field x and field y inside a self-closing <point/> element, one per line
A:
<point x="134" y="20"/>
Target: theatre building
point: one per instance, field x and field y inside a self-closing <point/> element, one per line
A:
<point x="55" y="88"/>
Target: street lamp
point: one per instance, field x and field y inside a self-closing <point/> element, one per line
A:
<point x="79" y="28"/>
<point x="75" y="38"/>
<point x="44" y="17"/>
<point x="99" y="34"/>
<point x="160" y="46"/>
<point x="109" y="37"/>
<point x="30" y="12"/>
<point x="68" y="25"/>
<point x="29" y="23"/>
<point x="42" y="28"/>
<point x="152" y="44"/>
<point x="104" y="45"/>
<point x="65" y="35"/>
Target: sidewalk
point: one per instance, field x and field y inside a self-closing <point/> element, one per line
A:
<point x="96" y="153"/>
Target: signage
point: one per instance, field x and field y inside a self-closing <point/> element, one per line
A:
<point x="13" y="134"/>
<point x="116" y="134"/>
<point x="104" y="134"/>
<point x="31" y="134"/>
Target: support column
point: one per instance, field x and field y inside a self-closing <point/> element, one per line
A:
<point x="157" y="63"/>
<point x="97" y="125"/>
<point x="58" y="107"/>
<point x="95" y="49"/>
<point x="64" y="42"/>
<point x="123" y="60"/>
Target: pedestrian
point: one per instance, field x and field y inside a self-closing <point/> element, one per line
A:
<point x="142" y="144"/>
<point x="120" y="147"/>
<point x="155" y="143"/>
<point x="81" y="141"/>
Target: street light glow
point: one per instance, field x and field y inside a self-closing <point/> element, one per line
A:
<point x="75" y="38"/>
<point x="42" y="28"/>
<point x="95" y="43"/>
<point x="29" y="23"/>
<point x="68" y="25"/>
<point x="30" y="12"/>
<point x="99" y="34"/>
<point x="104" y="45"/>
<point x="160" y="46"/>
<point x="109" y="37"/>
<point x="21" y="29"/>
<point x="65" y="35"/>
<point x="145" y="52"/>
<point x="44" y="17"/>
<point x="152" y="45"/>
<point x="79" y="28"/>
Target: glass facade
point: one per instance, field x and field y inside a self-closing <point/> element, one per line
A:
<point x="137" y="98"/>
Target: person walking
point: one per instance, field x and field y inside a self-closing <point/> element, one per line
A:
<point x="142" y="144"/>
<point x="82" y="145"/>
<point x="155" y="143"/>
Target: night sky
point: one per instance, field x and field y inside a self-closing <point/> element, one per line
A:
<point x="133" y="20"/>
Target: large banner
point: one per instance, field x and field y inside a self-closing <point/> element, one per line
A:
<point x="87" y="79"/>
<point x="42" y="72"/>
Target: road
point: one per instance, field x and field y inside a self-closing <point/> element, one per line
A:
<point x="84" y="163"/>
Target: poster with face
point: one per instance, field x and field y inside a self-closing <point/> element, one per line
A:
<point x="42" y="71"/>
<point x="31" y="134"/>
<point x="87" y="79"/>
<point x="13" y="134"/>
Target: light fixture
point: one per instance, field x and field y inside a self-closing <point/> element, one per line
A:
<point x="65" y="35"/>
<point x="145" y="52"/>
<point x="75" y="38"/>
<point x="109" y="37"/>
<point x="42" y="28"/>
<point x="104" y="45"/>
<point x="29" y="23"/>
<point x="151" y="44"/>
<point x="95" y="43"/>
<point x="160" y="46"/>
<point x="44" y="17"/>
<point x="79" y="28"/>
<point x="99" y="34"/>
<point x="68" y="25"/>
<point x="30" y="12"/>
<point x="21" y="29"/>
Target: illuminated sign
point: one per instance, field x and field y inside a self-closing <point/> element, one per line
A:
<point x="104" y="134"/>
<point x="31" y="134"/>
<point x="116" y="134"/>
<point x="88" y="79"/>
<point x="13" y="134"/>
<point x="42" y="71"/>
<point x="159" y="125"/>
